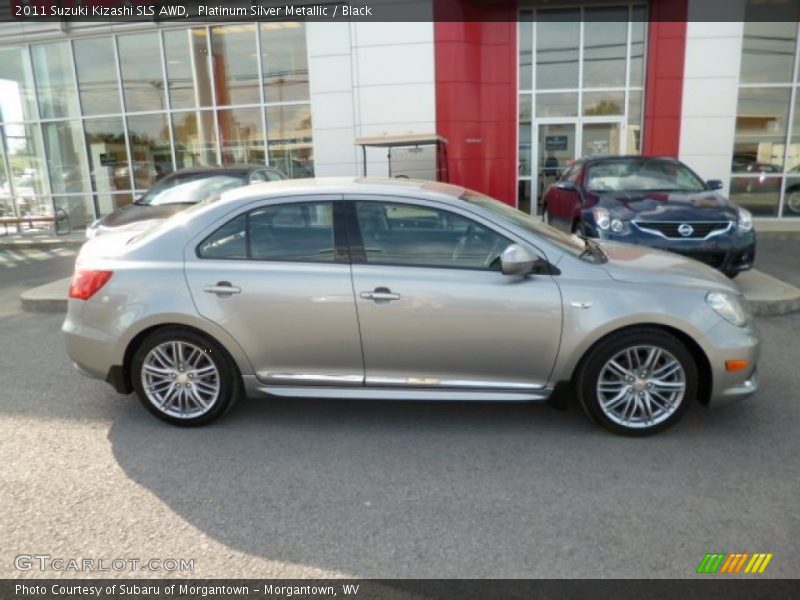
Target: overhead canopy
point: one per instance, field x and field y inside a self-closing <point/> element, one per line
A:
<point x="390" y="141"/>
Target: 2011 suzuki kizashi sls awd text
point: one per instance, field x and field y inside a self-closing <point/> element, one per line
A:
<point x="400" y="289"/>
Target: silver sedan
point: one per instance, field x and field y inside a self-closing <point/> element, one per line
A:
<point x="395" y="289"/>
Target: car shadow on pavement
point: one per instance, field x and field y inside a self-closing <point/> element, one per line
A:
<point x="398" y="489"/>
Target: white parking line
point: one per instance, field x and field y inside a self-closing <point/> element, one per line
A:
<point x="12" y="257"/>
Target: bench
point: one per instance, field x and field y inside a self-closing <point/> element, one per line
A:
<point x="60" y="218"/>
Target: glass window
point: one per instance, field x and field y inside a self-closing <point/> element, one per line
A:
<point x="66" y="160"/>
<point x="195" y="137"/>
<point x="605" y="44"/>
<point x="241" y="134"/>
<point x="557" y="43"/>
<point x="403" y="234"/>
<point x="768" y="50"/>
<point x="97" y="76"/>
<point x="603" y="103"/>
<point x="761" y="130"/>
<point x="526" y="50"/>
<point x="557" y="104"/>
<point x="229" y="241"/>
<point x="140" y="65"/>
<point x="292" y="232"/>
<point x="638" y="33"/>
<point x="6" y="199"/>
<point x="791" y="204"/>
<point x="107" y="203"/>
<point x="524" y="195"/>
<point x="150" y="151"/>
<point x="26" y="161"/>
<point x="233" y="49"/>
<point x="108" y="157"/>
<point x="634" y="139"/>
<point x="759" y="195"/>
<point x="284" y="61"/>
<point x="525" y="135"/>
<point x="73" y="212"/>
<point x="793" y="158"/>
<point x="17" y="97"/>
<point x="188" y="75"/>
<point x="289" y="135"/>
<point x="55" y="80"/>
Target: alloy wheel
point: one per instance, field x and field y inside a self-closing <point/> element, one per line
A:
<point x="180" y="379"/>
<point x="641" y="386"/>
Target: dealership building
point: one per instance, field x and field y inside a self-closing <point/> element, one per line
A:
<point x="92" y="114"/>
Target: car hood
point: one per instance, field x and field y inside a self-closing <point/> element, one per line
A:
<point x="639" y="264"/>
<point x="669" y="206"/>
<point x="136" y="213"/>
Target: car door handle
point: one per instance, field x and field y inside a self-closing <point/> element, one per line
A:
<point x="223" y="289"/>
<point x="380" y="294"/>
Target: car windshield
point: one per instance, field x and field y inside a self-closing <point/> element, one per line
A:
<point x="189" y="189"/>
<point x="641" y="175"/>
<point x="570" y="243"/>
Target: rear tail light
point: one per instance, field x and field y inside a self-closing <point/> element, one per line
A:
<point x="86" y="283"/>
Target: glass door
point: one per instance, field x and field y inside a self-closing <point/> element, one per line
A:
<point x="556" y="147"/>
<point x="601" y="139"/>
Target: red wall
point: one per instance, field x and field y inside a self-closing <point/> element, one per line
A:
<point x="664" y="86"/>
<point x="476" y="94"/>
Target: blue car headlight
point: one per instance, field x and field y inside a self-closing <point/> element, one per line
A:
<point x="744" y="221"/>
<point x="605" y="221"/>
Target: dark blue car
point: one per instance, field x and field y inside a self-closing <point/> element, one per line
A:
<point x="653" y="201"/>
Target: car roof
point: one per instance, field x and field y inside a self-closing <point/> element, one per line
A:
<point x="217" y="169"/>
<point x="346" y="185"/>
<point x="597" y="159"/>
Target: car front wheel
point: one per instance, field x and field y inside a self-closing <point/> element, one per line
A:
<point x="638" y="382"/>
<point x="183" y="377"/>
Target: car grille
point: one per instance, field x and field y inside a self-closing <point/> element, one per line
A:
<point x="700" y="229"/>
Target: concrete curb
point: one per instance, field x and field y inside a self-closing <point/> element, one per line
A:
<point x="766" y="295"/>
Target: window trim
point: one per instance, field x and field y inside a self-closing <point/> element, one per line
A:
<point x="358" y="251"/>
<point x="341" y="253"/>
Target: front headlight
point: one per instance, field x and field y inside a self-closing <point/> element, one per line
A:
<point x="729" y="307"/>
<point x="744" y="222"/>
<point x="605" y="222"/>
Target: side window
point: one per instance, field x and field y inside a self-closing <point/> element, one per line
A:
<point x="229" y="241"/>
<point x="282" y="232"/>
<point x="404" y="234"/>
<point x="293" y="232"/>
<point x="273" y="176"/>
<point x="574" y="174"/>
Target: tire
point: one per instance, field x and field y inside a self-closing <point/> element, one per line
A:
<point x="599" y="384"/>
<point x="793" y="200"/>
<point x="173" y="391"/>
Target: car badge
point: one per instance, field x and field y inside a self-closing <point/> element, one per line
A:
<point x="685" y="229"/>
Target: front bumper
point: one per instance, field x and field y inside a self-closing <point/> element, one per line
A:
<point x="730" y="252"/>
<point x="727" y="342"/>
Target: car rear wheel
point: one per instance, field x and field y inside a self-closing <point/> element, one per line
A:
<point x="793" y="201"/>
<point x="638" y="382"/>
<point x="183" y="377"/>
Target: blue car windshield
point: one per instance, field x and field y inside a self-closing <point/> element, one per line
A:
<point x="642" y="175"/>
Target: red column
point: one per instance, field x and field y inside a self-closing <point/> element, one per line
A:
<point x="476" y="94"/>
<point x="664" y="85"/>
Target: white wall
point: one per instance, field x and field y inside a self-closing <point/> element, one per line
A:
<point x="368" y="79"/>
<point x="710" y="91"/>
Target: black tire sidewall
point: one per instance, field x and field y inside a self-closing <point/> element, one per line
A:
<point x="607" y="348"/>
<point x="228" y="374"/>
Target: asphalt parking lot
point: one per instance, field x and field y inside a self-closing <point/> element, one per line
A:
<point x="313" y="488"/>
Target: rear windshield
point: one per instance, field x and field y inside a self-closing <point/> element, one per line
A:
<point x="189" y="188"/>
<point x="641" y="175"/>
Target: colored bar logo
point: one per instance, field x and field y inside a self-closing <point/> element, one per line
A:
<point x="737" y="562"/>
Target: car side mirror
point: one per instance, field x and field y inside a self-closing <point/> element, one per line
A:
<point x="518" y="260"/>
<point x="713" y="184"/>
<point x="567" y="186"/>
